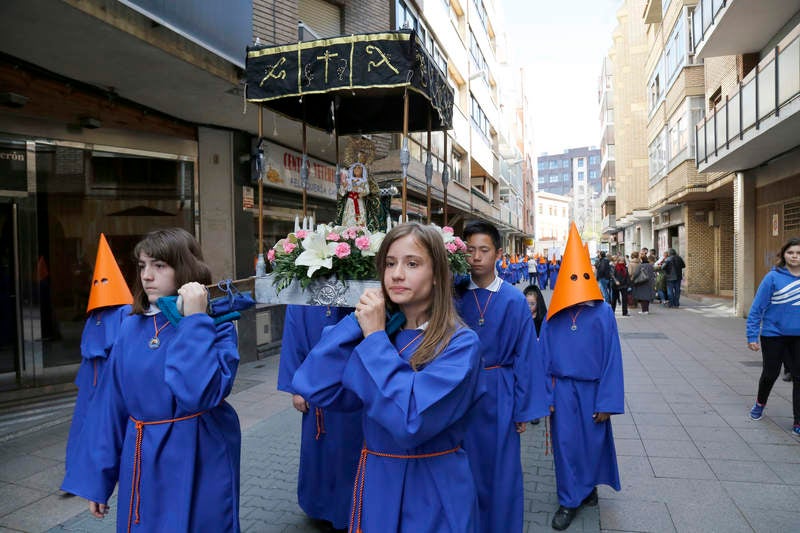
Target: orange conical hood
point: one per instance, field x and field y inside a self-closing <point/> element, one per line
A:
<point x="576" y="282"/>
<point x="108" y="285"/>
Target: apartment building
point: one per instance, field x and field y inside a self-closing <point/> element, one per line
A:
<point x="748" y="143"/>
<point x="125" y="116"/>
<point x="575" y="173"/>
<point x="552" y="223"/>
<point x="608" y="188"/>
<point x="692" y="211"/>
<point x="624" y="112"/>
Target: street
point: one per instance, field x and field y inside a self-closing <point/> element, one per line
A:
<point x="690" y="459"/>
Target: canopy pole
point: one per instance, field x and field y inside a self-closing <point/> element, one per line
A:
<point x="405" y="159"/>
<point x="445" y="177"/>
<point x="429" y="169"/>
<point x="261" y="267"/>
<point x="304" y="171"/>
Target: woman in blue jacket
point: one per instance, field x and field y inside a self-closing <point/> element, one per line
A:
<point x="775" y="315"/>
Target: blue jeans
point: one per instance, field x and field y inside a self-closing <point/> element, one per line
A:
<point x="674" y="292"/>
<point x="605" y="289"/>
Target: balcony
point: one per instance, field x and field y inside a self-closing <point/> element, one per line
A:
<point x="733" y="27"/>
<point x="609" y="193"/>
<point x="609" y="224"/>
<point x="761" y="120"/>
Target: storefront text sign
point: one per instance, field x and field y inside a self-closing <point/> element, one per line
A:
<point x="283" y="172"/>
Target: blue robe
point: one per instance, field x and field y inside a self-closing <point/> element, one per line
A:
<point x="99" y="333"/>
<point x="328" y="460"/>
<point x="554" y="268"/>
<point x="584" y="369"/>
<point x="404" y="413"/>
<point x="542" y="269"/>
<point x="189" y="469"/>
<point x="515" y="393"/>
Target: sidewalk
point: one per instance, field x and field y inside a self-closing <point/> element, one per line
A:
<point x="690" y="459"/>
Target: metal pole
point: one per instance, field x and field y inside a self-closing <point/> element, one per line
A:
<point x="429" y="169"/>
<point x="405" y="159"/>
<point x="260" y="264"/>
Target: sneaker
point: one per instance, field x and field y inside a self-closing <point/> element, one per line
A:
<point x="645" y="312"/>
<point x="641" y="312"/>
<point x="757" y="412"/>
<point x="796" y="431"/>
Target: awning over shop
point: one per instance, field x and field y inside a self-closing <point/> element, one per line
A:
<point x="362" y="77"/>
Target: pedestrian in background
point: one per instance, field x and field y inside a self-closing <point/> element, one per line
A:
<point x="532" y="276"/>
<point x="417" y="387"/>
<point x="330" y="441"/>
<point x="161" y="427"/>
<point x="673" y="271"/>
<point x="643" y="282"/>
<point x="603" y="272"/>
<point x="514" y="377"/>
<point x="775" y="317"/>
<point x="619" y="286"/>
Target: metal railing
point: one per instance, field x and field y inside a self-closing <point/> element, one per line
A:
<point x="773" y="84"/>
<point x="705" y="14"/>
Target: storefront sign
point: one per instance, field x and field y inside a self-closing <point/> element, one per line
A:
<point x="13" y="168"/>
<point x="283" y="172"/>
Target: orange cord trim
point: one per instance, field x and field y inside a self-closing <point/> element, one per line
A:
<point x="137" y="462"/>
<point x="361" y="475"/>
<point x="320" y="415"/>
<point x="494" y="367"/>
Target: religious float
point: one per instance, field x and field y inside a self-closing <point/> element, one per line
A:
<point x="347" y="86"/>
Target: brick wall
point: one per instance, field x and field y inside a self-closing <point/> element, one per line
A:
<point x="701" y="253"/>
<point x="724" y="245"/>
<point x="275" y="21"/>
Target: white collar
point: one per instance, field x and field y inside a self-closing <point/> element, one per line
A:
<point x="152" y="310"/>
<point x="494" y="286"/>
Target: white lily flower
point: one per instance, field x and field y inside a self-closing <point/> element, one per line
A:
<point x="375" y="240"/>
<point x="317" y="253"/>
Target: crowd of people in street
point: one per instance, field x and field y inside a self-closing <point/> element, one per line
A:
<point x="413" y="402"/>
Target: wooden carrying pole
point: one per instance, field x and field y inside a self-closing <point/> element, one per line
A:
<point x="445" y="181"/>
<point x="304" y="168"/>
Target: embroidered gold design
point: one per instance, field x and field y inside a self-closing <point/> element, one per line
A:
<point x="271" y="73"/>
<point x="384" y="59"/>
<point x="327" y="56"/>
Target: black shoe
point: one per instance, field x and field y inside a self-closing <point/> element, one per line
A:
<point x="787" y="376"/>
<point x="563" y="517"/>
<point x="591" y="499"/>
<point x="535" y="422"/>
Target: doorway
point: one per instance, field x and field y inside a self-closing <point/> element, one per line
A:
<point x="9" y="290"/>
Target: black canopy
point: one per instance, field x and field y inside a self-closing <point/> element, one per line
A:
<point x="365" y="76"/>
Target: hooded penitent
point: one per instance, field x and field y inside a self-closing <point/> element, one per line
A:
<point x="576" y="282"/>
<point x="108" y="284"/>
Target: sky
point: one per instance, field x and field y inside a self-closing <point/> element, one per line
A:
<point x="561" y="43"/>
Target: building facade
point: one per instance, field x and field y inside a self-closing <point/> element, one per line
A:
<point x="552" y="224"/>
<point x="122" y="117"/>
<point x="748" y="143"/>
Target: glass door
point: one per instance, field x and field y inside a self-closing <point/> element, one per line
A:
<point x="9" y="289"/>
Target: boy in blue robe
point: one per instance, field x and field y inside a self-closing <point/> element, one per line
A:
<point x="513" y="374"/>
<point x="331" y="440"/>
<point x="583" y="363"/>
<point x="555" y="266"/>
<point x="109" y="304"/>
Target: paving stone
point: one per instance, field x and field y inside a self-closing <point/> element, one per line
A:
<point x="645" y="516"/>
<point x="763" y="496"/>
<point x="681" y="468"/>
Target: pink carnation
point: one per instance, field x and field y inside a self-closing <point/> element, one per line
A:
<point x="333" y="236"/>
<point x="451" y="247"/>
<point x="447" y="229"/>
<point x="459" y="244"/>
<point x="342" y="250"/>
<point x="289" y="246"/>
<point x="350" y="233"/>
<point x="362" y="243"/>
<point x="301" y="233"/>
<point x="271" y="255"/>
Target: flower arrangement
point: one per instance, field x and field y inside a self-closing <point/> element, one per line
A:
<point x="346" y="252"/>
